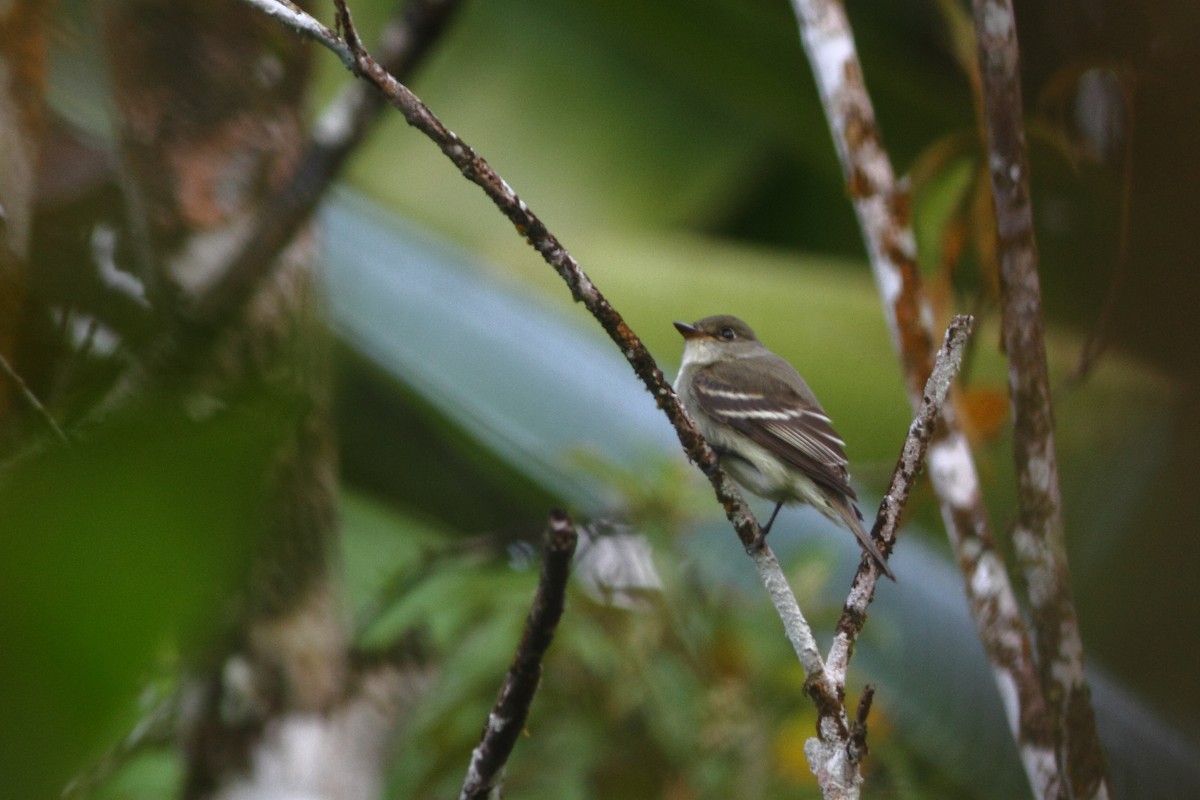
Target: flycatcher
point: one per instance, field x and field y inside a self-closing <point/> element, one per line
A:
<point x="766" y="425"/>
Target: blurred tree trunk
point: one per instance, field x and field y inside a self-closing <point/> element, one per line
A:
<point x="209" y="99"/>
<point x="116" y="306"/>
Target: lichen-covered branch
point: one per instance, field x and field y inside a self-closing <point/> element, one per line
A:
<point x="1038" y="536"/>
<point x="818" y="683"/>
<point x="883" y="211"/>
<point x="912" y="457"/>
<point x="507" y="719"/>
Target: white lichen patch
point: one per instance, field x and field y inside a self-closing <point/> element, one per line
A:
<point x="952" y="472"/>
<point x="1040" y="471"/>
<point x="890" y="283"/>
<point x="997" y="21"/>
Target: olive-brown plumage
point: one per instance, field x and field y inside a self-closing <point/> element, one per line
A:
<point x="770" y="431"/>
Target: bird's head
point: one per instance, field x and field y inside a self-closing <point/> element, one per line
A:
<point x="721" y="337"/>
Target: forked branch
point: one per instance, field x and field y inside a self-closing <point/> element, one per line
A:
<point x="834" y="756"/>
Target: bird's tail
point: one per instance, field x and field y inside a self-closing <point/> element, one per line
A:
<point x="853" y="519"/>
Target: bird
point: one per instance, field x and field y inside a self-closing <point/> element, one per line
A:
<point x="767" y="427"/>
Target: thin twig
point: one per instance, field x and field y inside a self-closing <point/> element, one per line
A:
<point x="507" y="719"/>
<point x="33" y="401"/>
<point x="883" y="211"/>
<point x="1039" y="537"/>
<point x="858" y="728"/>
<point x="827" y="753"/>
<point x="835" y="760"/>
<point x="912" y="458"/>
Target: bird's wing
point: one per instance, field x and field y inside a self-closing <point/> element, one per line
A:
<point x="789" y="424"/>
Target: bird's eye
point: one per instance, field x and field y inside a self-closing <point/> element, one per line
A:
<point x="727" y="334"/>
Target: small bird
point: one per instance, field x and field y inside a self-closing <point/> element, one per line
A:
<point x="766" y="425"/>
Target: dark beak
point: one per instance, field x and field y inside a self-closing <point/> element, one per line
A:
<point x="688" y="331"/>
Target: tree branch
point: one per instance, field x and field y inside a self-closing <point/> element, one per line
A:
<point x="825" y="693"/>
<point x="478" y="171"/>
<point x="883" y="211"/>
<point x="912" y="458"/>
<point x="475" y="169"/>
<point x="507" y="719"/>
<point x="1039" y="536"/>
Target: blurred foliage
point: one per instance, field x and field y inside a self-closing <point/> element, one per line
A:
<point x="679" y="151"/>
<point x="116" y="552"/>
<point x="687" y="704"/>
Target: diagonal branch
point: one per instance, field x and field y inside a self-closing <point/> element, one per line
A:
<point x="507" y="719"/>
<point x="912" y="458"/>
<point x="883" y="211"/>
<point x="1039" y="536"/>
<point x="475" y="169"/>
<point x="834" y="757"/>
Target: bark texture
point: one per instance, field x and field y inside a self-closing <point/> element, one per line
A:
<point x="210" y="114"/>
<point x="1039" y="535"/>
